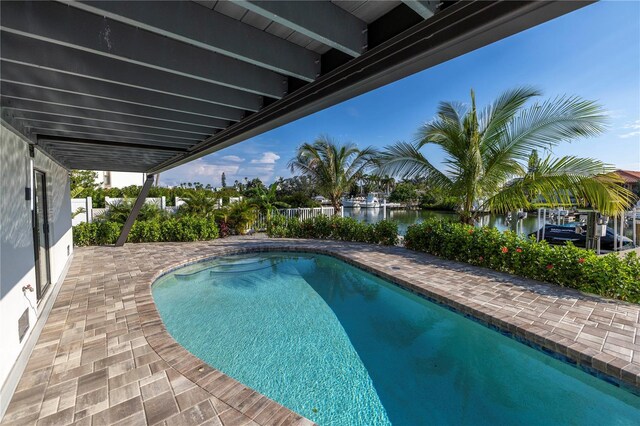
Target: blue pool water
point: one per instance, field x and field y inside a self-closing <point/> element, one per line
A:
<point x="343" y="347"/>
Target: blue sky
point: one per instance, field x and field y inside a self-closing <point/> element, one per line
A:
<point x="593" y="52"/>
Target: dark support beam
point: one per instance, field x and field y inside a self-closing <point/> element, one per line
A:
<point x="190" y="23"/>
<point x="425" y="8"/>
<point x="104" y="143"/>
<point x="43" y="79"/>
<point x="42" y="117"/>
<point x="107" y="133"/>
<point x="116" y="40"/>
<point x="44" y="127"/>
<point x="135" y="210"/>
<point x="29" y="51"/>
<point x="86" y="109"/>
<point x="322" y="21"/>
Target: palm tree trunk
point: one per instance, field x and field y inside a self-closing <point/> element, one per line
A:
<point x="335" y="202"/>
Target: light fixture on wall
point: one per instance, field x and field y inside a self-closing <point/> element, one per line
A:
<point x="28" y="190"/>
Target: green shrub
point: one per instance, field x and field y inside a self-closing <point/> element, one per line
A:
<point x="84" y="234"/>
<point x="186" y="228"/>
<point x="568" y="266"/>
<point x="96" y="233"/>
<point x="335" y="228"/>
<point x="107" y="232"/>
<point x="145" y="231"/>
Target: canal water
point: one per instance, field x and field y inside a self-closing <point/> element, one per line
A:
<point x="405" y="218"/>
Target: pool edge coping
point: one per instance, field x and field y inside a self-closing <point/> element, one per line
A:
<point x="602" y="365"/>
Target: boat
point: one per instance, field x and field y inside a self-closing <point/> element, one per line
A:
<point x="372" y="202"/>
<point x="320" y="199"/>
<point x="350" y="203"/>
<point x="576" y="233"/>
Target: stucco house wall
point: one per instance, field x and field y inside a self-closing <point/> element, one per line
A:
<point x="17" y="257"/>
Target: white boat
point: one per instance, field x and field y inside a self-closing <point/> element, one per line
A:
<point x="350" y="203"/>
<point x="320" y="199"/>
<point x="372" y="202"/>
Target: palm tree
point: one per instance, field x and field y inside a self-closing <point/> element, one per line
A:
<point x="332" y="167"/>
<point x="199" y="203"/>
<point x="487" y="153"/>
<point x="239" y="216"/>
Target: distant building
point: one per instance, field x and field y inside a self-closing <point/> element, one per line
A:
<point x="630" y="177"/>
<point x="119" y="179"/>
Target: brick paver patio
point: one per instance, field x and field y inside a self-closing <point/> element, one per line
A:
<point x="104" y="356"/>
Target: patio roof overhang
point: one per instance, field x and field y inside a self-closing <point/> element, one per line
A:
<point x="146" y="86"/>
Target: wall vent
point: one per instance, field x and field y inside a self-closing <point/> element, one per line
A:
<point x="23" y="324"/>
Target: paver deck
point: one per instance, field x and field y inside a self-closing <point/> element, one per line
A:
<point x="104" y="356"/>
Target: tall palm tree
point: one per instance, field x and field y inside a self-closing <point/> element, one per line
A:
<point x="487" y="153"/>
<point x="332" y="167"/>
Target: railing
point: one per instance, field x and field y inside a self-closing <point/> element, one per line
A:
<point x="301" y="213"/>
<point x="88" y="214"/>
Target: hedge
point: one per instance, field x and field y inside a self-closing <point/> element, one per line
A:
<point x="610" y="275"/>
<point x="187" y="228"/>
<point x="334" y="228"/>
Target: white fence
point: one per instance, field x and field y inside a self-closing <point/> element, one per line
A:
<point x="83" y="211"/>
<point x="180" y="201"/>
<point x="300" y="213"/>
<point x="159" y="202"/>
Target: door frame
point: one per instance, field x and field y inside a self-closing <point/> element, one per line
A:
<point x="41" y="288"/>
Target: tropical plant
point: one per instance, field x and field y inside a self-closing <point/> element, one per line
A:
<point x="568" y="266"/>
<point x="119" y="212"/>
<point x="487" y="154"/>
<point x="266" y="199"/>
<point x="332" y="167"/>
<point x="237" y="216"/>
<point x="199" y="203"/>
<point x="78" y="211"/>
<point x="334" y="228"/>
<point x="82" y="181"/>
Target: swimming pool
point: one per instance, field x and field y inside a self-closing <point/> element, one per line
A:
<point x="343" y="347"/>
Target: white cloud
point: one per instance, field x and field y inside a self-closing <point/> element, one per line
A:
<point x="267" y="158"/>
<point x="235" y="167"/>
<point x="634" y="126"/>
<point x="201" y="169"/>
<point x="630" y="134"/>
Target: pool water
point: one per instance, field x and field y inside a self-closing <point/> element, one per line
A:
<point x="343" y="347"/>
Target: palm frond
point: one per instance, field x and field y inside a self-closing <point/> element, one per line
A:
<point x="406" y="161"/>
<point x="495" y="117"/>
<point x="564" y="181"/>
<point x="452" y="111"/>
<point x="546" y="124"/>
